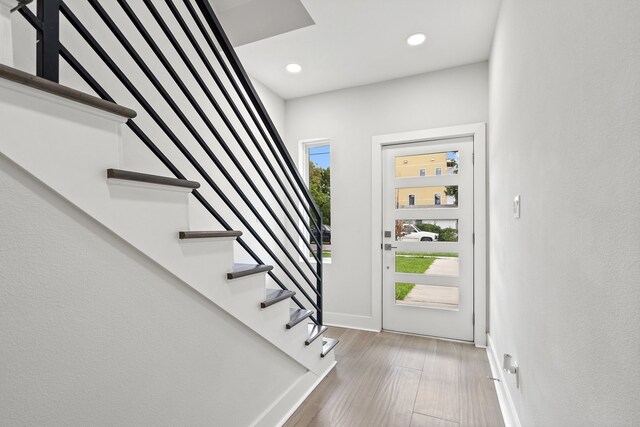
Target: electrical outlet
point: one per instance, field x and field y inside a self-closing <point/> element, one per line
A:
<point x="516" y="206"/>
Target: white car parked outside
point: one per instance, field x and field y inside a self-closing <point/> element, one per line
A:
<point x="411" y="233"/>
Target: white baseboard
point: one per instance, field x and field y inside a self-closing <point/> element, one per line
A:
<point x="351" y="321"/>
<point x="507" y="407"/>
<point x="278" y="413"/>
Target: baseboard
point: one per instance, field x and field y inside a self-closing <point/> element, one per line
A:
<point x="278" y="413"/>
<point x="507" y="407"/>
<point x="351" y="321"/>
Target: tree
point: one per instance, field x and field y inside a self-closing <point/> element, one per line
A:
<point x="320" y="188"/>
<point x="452" y="190"/>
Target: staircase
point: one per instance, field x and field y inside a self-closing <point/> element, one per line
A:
<point x="244" y="179"/>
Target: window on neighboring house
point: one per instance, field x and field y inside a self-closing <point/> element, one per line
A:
<point x="438" y="171"/>
<point x="412" y="199"/>
<point x="437" y="200"/>
<point x="423" y="172"/>
<point x="317" y="164"/>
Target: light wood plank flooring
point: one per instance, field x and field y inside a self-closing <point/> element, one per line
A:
<point x="388" y="379"/>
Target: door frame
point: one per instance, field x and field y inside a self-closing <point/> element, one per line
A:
<point x="478" y="132"/>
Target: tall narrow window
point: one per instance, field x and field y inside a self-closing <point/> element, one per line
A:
<point x="438" y="171"/>
<point x="437" y="200"/>
<point x="412" y="199"/>
<point x="317" y="164"/>
<point x="423" y="172"/>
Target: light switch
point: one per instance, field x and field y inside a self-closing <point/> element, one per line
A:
<point x="516" y="207"/>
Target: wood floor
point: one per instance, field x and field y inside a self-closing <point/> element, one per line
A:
<point x="388" y="379"/>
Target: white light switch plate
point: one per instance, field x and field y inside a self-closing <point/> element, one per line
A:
<point x="516" y="207"/>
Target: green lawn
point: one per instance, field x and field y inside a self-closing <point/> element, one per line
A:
<point x="325" y="254"/>
<point x="416" y="263"/>
<point x="402" y="289"/>
<point x="429" y="254"/>
<point x="413" y="264"/>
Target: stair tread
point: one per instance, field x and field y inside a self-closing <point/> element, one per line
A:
<point x="327" y="345"/>
<point x="314" y="332"/>
<point x="151" y="179"/>
<point x="276" y="295"/>
<point x="26" y="79"/>
<point x="182" y="235"/>
<point x="297" y="315"/>
<point x="243" y="270"/>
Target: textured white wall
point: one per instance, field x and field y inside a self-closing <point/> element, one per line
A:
<point x="565" y="277"/>
<point x="273" y="103"/>
<point x="350" y="118"/>
<point x="94" y="333"/>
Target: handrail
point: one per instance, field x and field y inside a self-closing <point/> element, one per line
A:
<point x="225" y="44"/>
<point x="285" y="252"/>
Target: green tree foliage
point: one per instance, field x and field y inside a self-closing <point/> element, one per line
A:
<point x="452" y="190"/>
<point x="320" y="187"/>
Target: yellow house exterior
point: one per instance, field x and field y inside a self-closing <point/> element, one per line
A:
<point x="421" y="165"/>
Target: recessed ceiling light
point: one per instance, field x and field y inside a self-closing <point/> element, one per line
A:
<point x="294" y="68"/>
<point x="416" y="39"/>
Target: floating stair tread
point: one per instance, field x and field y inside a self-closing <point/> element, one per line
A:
<point x="276" y="295"/>
<point x="327" y="345"/>
<point x="297" y="315"/>
<point x="314" y="332"/>
<point x="151" y="179"/>
<point x="243" y="270"/>
<point x="48" y="86"/>
<point x="183" y="235"/>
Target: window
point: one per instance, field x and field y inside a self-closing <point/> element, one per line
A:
<point x="437" y="200"/>
<point x="412" y="199"/>
<point x="438" y="171"/>
<point x="317" y="170"/>
<point x="423" y="172"/>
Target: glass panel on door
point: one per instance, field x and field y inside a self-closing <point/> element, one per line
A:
<point x="427" y="164"/>
<point x="427" y="197"/>
<point x="428" y="263"/>
<point x="431" y="296"/>
<point x="426" y="230"/>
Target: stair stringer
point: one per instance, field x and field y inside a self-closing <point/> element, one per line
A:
<point x="69" y="147"/>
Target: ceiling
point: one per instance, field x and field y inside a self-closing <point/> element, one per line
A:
<point x="357" y="42"/>
<point x="244" y="20"/>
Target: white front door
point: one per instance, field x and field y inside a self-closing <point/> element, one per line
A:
<point x="428" y="238"/>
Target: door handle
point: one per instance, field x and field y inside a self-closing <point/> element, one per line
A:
<point x="388" y="247"/>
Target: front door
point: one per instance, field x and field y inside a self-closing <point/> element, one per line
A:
<point x="428" y="238"/>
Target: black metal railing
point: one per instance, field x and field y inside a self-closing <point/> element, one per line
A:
<point x="292" y="225"/>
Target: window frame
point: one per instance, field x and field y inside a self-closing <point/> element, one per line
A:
<point x="303" y="164"/>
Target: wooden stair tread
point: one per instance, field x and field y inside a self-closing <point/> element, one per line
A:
<point x="276" y="295"/>
<point x="151" y="179"/>
<point x="314" y="332"/>
<point x="327" y="345"/>
<point x="297" y="315"/>
<point x="243" y="270"/>
<point x="183" y="235"/>
<point x="26" y="79"/>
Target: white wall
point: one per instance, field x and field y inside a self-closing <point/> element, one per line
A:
<point x="273" y="103"/>
<point x="350" y="118"/>
<point x="94" y="333"/>
<point x="565" y="135"/>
